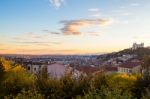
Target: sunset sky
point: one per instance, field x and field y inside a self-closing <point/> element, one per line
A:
<point x="72" y="26"/>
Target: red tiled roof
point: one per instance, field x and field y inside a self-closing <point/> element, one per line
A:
<point x="111" y="68"/>
<point x="87" y="69"/>
<point x="130" y="64"/>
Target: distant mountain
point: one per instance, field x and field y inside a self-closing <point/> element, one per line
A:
<point x="140" y="53"/>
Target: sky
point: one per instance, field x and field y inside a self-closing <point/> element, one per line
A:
<point x="72" y="26"/>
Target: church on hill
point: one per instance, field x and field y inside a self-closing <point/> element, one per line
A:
<point x="136" y="46"/>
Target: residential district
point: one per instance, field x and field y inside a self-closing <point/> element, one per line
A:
<point x="126" y="61"/>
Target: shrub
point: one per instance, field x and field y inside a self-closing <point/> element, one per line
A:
<point x="30" y="94"/>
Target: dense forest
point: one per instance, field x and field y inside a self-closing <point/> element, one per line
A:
<point x="16" y="83"/>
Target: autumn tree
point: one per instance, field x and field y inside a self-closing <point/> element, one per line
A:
<point x="1" y="70"/>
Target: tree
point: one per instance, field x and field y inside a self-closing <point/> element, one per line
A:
<point x="1" y="71"/>
<point x="146" y="67"/>
<point x="146" y="71"/>
<point x="147" y="95"/>
<point x="15" y="78"/>
<point x="30" y="94"/>
<point x="143" y="82"/>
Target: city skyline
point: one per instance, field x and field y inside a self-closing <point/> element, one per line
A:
<point x="72" y="26"/>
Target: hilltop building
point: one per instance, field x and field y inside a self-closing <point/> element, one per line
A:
<point x="136" y="46"/>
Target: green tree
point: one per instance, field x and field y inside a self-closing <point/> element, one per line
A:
<point x="30" y="94"/>
<point x="143" y="82"/>
<point x="15" y="79"/>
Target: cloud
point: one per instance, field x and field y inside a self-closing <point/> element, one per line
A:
<point x="57" y="3"/>
<point x="94" y="33"/>
<point x="96" y="15"/>
<point x="32" y="38"/>
<point x="125" y="14"/>
<point x="34" y="35"/>
<point x="44" y="51"/>
<point x="73" y="27"/>
<point x="93" y="9"/>
<point x="31" y="42"/>
<point x="134" y="4"/>
<point x="37" y="43"/>
<point x="50" y="32"/>
<point x="94" y="12"/>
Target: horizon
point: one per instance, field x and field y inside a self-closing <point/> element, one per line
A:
<point x="67" y="27"/>
<point x="96" y="54"/>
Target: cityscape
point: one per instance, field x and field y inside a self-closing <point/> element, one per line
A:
<point x="74" y="49"/>
<point x="59" y="65"/>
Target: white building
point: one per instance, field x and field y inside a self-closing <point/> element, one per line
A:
<point x="130" y="67"/>
<point x="136" y="46"/>
<point x="34" y="68"/>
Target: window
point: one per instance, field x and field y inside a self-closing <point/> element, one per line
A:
<point x="130" y="71"/>
<point x="28" y="68"/>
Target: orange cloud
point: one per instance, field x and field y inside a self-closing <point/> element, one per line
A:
<point x="73" y="27"/>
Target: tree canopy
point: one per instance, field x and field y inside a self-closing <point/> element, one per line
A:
<point x="17" y="83"/>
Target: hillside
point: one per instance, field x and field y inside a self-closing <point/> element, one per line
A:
<point x="140" y="53"/>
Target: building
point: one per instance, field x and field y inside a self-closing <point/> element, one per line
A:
<point x="34" y="67"/>
<point x="85" y="71"/>
<point x="136" y="46"/>
<point x="57" y="70"/>
<point x="130" y="67"/>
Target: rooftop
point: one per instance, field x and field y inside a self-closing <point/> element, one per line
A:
<point x="130" y="64"/>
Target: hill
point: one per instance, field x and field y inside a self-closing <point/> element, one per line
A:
<point x="139" y="53"/>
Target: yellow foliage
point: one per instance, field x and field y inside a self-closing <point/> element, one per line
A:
<point x="126" y="76"/>
<point x="6" y="64"/>
<point x="18" y="69"/>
